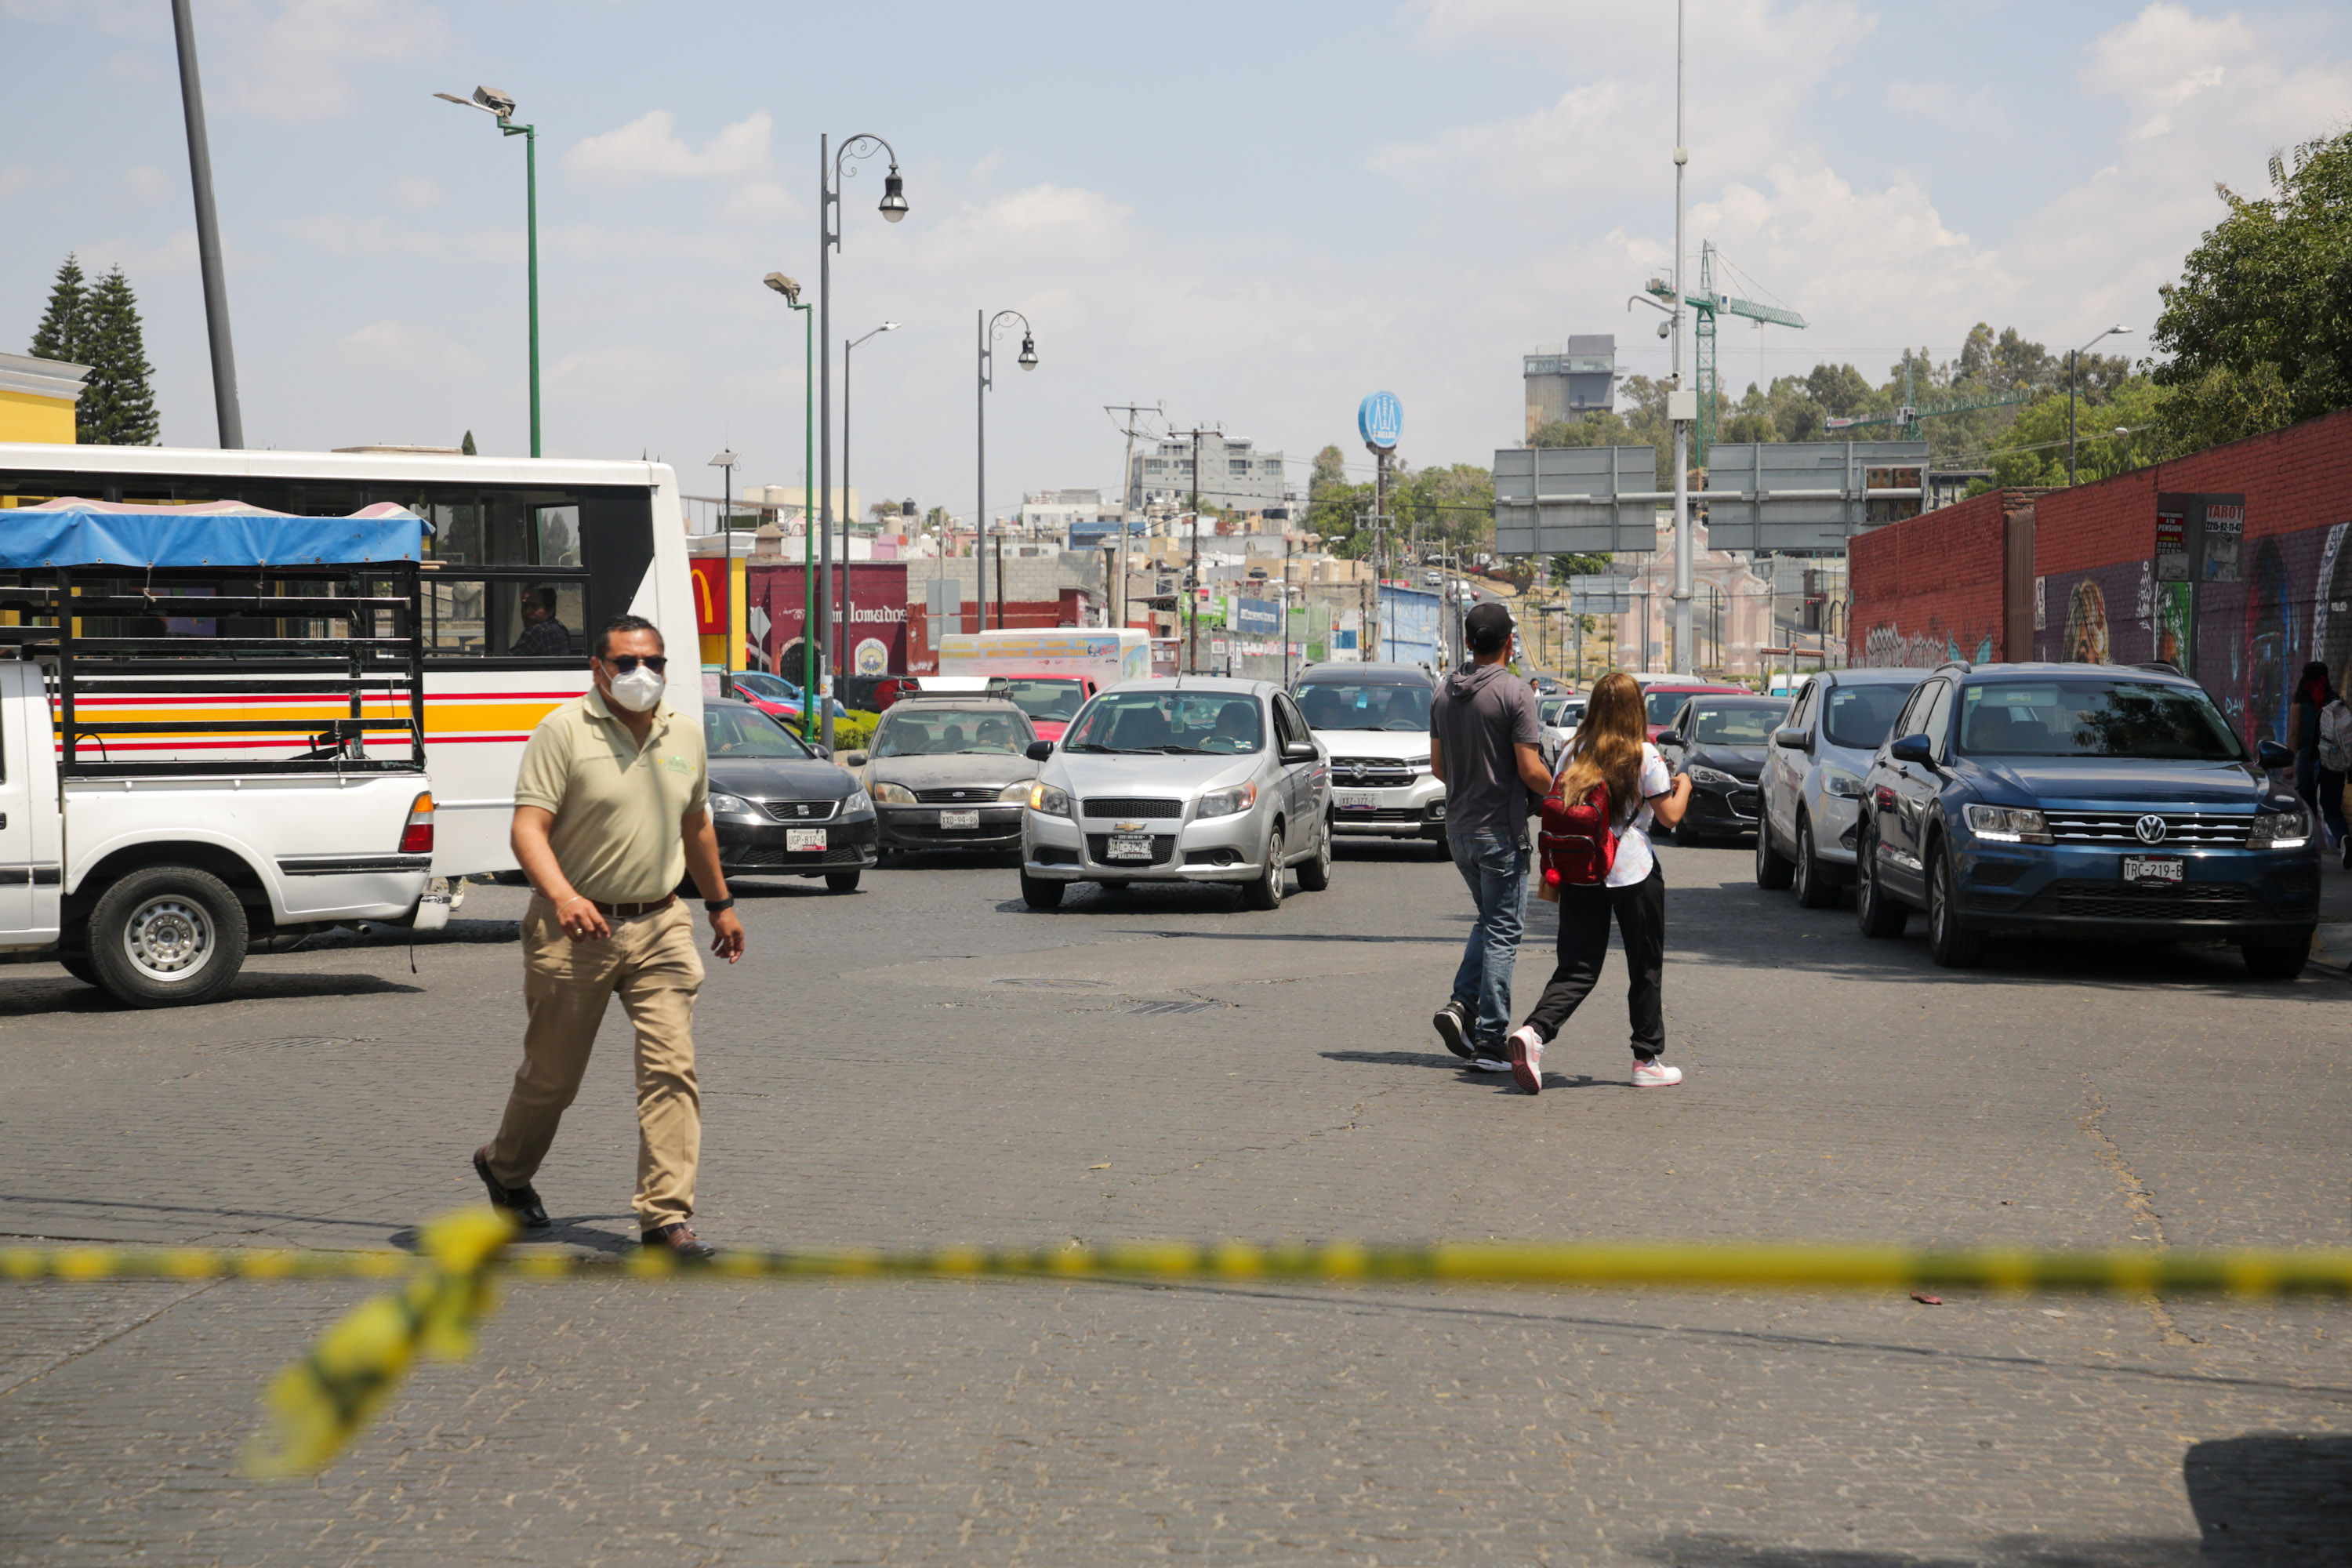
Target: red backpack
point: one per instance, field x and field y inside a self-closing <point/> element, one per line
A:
<point x="1578" y="843"/>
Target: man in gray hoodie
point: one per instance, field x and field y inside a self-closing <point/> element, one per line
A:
<point x="1485" y="745"/>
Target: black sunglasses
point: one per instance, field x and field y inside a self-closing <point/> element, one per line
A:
<point x="622" y="663"/>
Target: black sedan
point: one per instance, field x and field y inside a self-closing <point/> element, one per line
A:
<point x="1721" y="743"/>
<point x="780" y="809"/>
<point x="950" y="771"/>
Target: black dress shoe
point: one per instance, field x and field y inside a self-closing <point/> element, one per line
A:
<point x="520" y="1202"/>
<point x="678" y="1241"/>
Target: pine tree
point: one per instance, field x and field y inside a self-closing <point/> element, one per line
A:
<point x="467" y="445"/>
<point x="63" y="327"/>
<point x="118" y="406"/>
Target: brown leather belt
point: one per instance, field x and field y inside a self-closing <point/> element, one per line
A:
<point x="631" y="911"/>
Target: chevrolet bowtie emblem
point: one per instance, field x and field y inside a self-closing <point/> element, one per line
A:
<point x="1127" y="826"/>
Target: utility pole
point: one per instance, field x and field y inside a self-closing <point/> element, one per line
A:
<point x="227" y="419"/>
<point x="1192" y="595"/>
<point x="1127" y="512"/>
<point x="1681" y="629"/>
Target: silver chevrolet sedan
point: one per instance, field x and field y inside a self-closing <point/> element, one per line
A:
<point x="1182" y="779"/>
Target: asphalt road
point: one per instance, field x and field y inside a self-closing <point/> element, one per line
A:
<point x="927" y="1060"/>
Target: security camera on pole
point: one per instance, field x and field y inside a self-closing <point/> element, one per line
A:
<point x="1380" y="420"/>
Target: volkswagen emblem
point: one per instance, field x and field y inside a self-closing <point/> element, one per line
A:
<point x="2150" y="828"/>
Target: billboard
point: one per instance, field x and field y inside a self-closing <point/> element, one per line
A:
<point x="1808" y="495"/>
<point x="875" y="633"/>
<point x="1576" y="501"/>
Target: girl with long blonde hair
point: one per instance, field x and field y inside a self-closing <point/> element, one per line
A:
<point x="1611" y="750"/>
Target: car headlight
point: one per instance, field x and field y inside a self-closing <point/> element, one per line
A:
<point x="1710" y="776"/>
<point x="1015" y="791"/>
<point x="859" y="803"/>
<point x="2287" y="829"/>
<point x="1047" y="801"/>
<point x="1226" y="802"/>
<point x="1844" y="785"/>
<point x="2008" y="823"/>
<point x="733" y="804"/>
<point x="894" y="794"/>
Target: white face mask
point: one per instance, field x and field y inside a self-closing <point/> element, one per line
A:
<point x="637" y="691"/>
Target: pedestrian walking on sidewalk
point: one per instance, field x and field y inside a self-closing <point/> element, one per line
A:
<point x="2335" y="766"/>
<point x="2312" y="693"/>
<point x="611" y="813"/>
<point x="1610" y="751"/>
<point x="1486" y="747"/>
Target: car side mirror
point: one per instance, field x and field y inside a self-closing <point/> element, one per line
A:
<point x="822" y="750"/>
<point x="1912" y="749"/>
<point x="1039" y="751"/>
<point x="1300" y="751"/>
<point x="2272" y="755"/>
<point x="1790" y="736"/>
<point x="855" y="759"/>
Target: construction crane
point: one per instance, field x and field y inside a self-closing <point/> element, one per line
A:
<point x="1904" y="416"/>
<point x="1706" y="304"/>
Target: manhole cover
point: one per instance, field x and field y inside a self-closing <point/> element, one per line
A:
<point x="287" y="1043"/>
<point x="1171" y="1006"/>
<point x="1043" y="985"/>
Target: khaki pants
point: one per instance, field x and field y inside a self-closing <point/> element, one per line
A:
<point x="652" y="962"/>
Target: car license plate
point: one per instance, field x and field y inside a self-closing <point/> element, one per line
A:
<point x="800" y="838"/>
<point x="1356" y="800"/>
<point x="2138" y="868"/>
<point x="1128" y="846"/>
<point x="960" y="819"/>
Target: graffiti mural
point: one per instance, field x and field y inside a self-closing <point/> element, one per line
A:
<point x="1887" y="647"/>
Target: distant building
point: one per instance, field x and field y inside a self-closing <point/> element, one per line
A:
<point x="1052" y="513"/>
<point x="1567" y="381"/>
<point x="1233" y="475"/>
<point x="37" y="398"/>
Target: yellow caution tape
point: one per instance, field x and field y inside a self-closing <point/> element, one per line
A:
<point x="319" y="1403"/>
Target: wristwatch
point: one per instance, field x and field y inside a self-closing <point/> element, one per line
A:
<point x="713" y="906"/>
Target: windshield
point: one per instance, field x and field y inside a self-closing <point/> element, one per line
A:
<point x="767" y="686"/>
<point x="2094" y="718"/>
<point x="929" y="731"/>
<point x="747" y="732"/>
<point x="1745" y="725"/>
<point x="1054" y="701"/>
<point x="1173" y="721"/>
<point x="1860" y="715"/>
<point x="1664" y="705"/>
<point x="1335" y="705"/>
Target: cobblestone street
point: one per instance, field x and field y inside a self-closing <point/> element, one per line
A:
<point x="927" y="1060"/>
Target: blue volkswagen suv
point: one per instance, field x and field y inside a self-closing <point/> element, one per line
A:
<point x="2083" y="800"/>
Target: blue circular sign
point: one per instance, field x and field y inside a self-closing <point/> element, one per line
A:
<point x="1380" y="419"/>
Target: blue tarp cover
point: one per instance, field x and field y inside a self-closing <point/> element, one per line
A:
<point x="94" y="534"/>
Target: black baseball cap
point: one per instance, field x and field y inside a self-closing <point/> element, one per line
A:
<point x="1489" y="627"/>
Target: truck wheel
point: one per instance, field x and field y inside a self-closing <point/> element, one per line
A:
<point x="1315" y="871"/>
<point x="166" y="935"/>
<point x="1041" y="894"/>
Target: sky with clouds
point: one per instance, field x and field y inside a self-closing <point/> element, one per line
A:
<point x="1251" y="215"/>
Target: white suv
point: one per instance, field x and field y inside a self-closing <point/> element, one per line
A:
<point x="1373" y="720"/>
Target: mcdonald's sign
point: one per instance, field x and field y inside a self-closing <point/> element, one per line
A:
<point x="709" y="594"/>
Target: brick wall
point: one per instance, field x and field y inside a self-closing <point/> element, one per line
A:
<point x="1930" y="588"/>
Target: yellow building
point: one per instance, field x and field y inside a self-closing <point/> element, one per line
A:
<point x="37" y="398"/>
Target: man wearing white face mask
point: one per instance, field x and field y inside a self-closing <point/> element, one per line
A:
<point x="611" y="811"/>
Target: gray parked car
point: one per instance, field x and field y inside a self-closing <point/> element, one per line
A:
<point x="949" y="772"/>
<point x="1812" y="785"/>
<point x="1182" y="779"/>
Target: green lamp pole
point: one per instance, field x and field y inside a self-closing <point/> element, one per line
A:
<point x="791" y="291"/>
<point x="492" y="102"/>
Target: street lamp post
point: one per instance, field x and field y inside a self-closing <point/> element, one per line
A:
<point x="2074" y="377"/>
<point x="990" y="327"/>
<point x="492" y="102"/>
<point x="830" y="170"/>
<point x="725" y="463"/>
<point x="842" y="665"/>
<point x="791" y="290"/>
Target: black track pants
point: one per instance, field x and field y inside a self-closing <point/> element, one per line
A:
<point x="1641" y="911"/>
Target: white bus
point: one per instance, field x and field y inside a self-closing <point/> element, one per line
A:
<point x="607" y="539"/>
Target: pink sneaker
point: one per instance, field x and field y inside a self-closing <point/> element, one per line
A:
<point x="1655" y="1074"/>
<point x="1526" y="1058"/>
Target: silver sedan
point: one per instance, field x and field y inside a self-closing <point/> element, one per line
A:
<point x="1811" y="793"/>
<point x="1184" y="779"/>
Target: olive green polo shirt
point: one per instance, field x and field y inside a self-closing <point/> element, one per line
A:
<point x="617" y="805"/>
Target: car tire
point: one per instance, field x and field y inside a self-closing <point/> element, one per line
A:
<point x="1773" y="869"/>
<point x="1442" y="848"/>
<point x="1877" y="914"/>
<point x="1950" y="943"/>
<point x="2277" y="963"/>
<point x="1315" y="871"/>
<point x="1265" y="890"/>
<point x="167" y="936"/>
<point x="1814" y="888"/>
<point x="841" y="881"/>
<point x="79" y="965"/>
<point x="1041" y="894"/>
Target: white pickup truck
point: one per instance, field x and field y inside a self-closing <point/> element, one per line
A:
<point x="194" y="760"/>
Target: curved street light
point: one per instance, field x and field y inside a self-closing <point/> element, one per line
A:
<point x="2074" y="377"/>
<point x="501" y="107"/>
<point x="832" y="168"/>
<point x="993" y="328"/>
<point x="840" y="666"/>
<point x="789" y="288"/>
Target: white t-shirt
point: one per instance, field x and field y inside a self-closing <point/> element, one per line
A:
<point x="1634" y="857"/>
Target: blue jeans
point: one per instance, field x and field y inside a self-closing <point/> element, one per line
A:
<point x="1496" y="867"/>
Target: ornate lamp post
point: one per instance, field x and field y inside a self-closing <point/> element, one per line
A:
<point x="991" y="327"/>
<point x="841" y="665"/>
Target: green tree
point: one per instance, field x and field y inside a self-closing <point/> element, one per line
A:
<point x="64" y="325"/>
<point x="1332" y="503"/>
<point x="2032" y="450"/>
<point x="2259" y="328"/>
<point x="117" y="407"/>
<point x="467" y="445"/>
